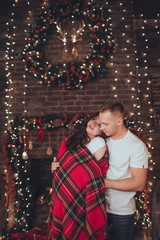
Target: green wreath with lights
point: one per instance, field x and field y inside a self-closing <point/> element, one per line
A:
<point x="75" y="74"/>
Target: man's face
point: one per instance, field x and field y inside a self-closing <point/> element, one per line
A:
<point x="108" y="122"/>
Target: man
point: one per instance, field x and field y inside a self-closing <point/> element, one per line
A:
<point x="127" y="173"/>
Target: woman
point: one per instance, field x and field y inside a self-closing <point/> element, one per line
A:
<point x="77" y="209"/>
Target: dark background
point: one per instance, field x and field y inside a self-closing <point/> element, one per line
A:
<point x="149" y="8"/>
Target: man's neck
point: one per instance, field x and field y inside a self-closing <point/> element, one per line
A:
<point x="121" y="134"/>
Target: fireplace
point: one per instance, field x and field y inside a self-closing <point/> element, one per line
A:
<point x="41" y="181"/>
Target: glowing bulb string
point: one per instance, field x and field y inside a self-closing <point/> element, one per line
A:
<point x="114" y="86"/>
<point x="129" y="44"/>
<point x="13" y="211"/>
<point x="142" y="76"/>
<point x="136" y="101"/>
<point x="25" y="72"/>
<point x="10" y="42"/>
<point x="130" y="83"/>
<point x="146" y="221"/>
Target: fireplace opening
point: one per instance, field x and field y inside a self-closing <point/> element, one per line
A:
<point x="41" y="183"/>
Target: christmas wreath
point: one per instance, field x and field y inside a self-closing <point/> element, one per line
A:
<point x="72" y="74"/>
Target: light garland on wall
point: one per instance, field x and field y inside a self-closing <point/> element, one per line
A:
<point x="114" y="86"/>
<point x="129" y="81"/>
<point x="145" y="217"/>
<point x="144" y="95"/>
<point x="10" y="36"/>
<point x="129" y="84"/>
<point x="129" y="44"/>
<point x="137" y="108"/>
<point x="10" y="43"/>
<point x="18" y="214"/>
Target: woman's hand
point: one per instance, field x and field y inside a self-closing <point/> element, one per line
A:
<point x="54" y="165"/>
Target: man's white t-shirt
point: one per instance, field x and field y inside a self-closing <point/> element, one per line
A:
<point x="124" y="153"/>
<point x="95" y="144"/>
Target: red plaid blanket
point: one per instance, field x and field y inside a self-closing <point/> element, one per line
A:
<point x="77" y="209"/>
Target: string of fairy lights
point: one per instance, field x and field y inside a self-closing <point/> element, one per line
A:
<point x="134" y="88"/>
<point x="123" y="49"/>
<point x="16" y="219"/>
<point x="10" y="36"/>
<point x="114" y="86"/>
<point x="141" y="74"/>
<point x="9" y="64"/>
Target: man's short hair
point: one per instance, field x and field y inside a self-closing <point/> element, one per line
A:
<point x="113" y="107"/>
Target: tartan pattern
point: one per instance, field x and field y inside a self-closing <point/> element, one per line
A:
<point x="77" y="209"/>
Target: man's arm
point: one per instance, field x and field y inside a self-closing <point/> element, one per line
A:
<point x="136" y="182"/>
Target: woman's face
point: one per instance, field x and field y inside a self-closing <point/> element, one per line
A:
<point x="93" y="128"/>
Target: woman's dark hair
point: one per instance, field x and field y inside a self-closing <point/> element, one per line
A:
<point x="79" y="137"/>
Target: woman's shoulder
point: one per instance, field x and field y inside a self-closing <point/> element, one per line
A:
<point x="98" y="139"/>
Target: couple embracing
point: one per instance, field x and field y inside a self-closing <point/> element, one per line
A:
<point x="100" y="167"/>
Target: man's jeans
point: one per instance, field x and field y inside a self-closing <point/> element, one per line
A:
<point x="122" y="226"/>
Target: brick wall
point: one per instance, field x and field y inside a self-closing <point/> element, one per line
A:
<point x="42" y="100"/>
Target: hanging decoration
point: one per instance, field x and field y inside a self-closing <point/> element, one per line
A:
<point x="70" y="73"/>
<point x="49" y="149"/>
<point x="30" y="143"/>
<point x="46" y="122"/>
<point x="24" y="154"/>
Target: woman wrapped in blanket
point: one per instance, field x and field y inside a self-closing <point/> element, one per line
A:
<point x="77" y="210"/>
